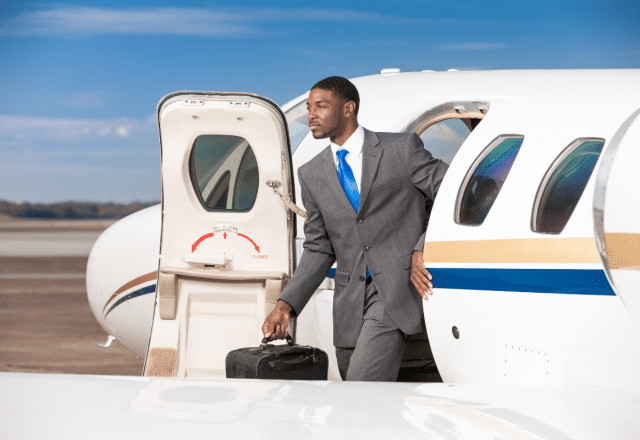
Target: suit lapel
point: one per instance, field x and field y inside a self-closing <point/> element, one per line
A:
<point x="371" y="155"/>
<point x="331" y="176"/>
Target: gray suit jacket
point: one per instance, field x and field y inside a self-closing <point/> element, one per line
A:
<point x="397" y="175"/>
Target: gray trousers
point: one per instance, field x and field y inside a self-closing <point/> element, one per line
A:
<point x="379" y="348"/>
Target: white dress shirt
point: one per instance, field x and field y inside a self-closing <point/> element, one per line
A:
<point x="354" y="146"/>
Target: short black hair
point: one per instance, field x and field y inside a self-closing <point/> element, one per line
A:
<point x="342" y="87"/>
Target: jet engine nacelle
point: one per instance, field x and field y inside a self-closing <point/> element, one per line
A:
<point x="617" y="213"/>
<point x="121" y="277"/>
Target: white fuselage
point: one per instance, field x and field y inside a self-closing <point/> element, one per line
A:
<point x="528" y="308"/>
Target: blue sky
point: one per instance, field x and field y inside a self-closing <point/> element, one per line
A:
<point x="81" y="80"/>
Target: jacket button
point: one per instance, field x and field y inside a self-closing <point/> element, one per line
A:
<point x="366" y="248"/>
<point x="361" y="278"/>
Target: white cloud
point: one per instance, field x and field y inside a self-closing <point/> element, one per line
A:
<point x="473" y="46"/>
<point x="25" y="127"/>
<point x="221" y="22"/>
<point x="88" y="20"/>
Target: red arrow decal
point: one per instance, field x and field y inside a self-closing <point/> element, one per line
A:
<point x="194" y="246"/>
<point x="252" y="242"/>
<point x="225" y="235"/>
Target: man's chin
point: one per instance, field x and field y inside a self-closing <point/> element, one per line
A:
<point x="319" y="135"/>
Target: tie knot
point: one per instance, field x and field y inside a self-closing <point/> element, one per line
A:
<point x="342" y="154"/>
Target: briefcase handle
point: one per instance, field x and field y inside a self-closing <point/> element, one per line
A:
<point x="265" y="340"/>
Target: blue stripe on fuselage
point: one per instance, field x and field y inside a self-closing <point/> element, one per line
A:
<point x="136" y="293"/>
<point x="564" y="281"/>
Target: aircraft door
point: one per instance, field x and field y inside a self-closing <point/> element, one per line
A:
<point x="227" y="238"/>
<point x="617" y="213"/>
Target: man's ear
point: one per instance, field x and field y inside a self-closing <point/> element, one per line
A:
<point x="349" y="109"/>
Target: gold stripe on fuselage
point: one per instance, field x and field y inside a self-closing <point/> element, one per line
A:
<point x="623" y="250"/>
<point x="519" y="250"/>
<point x="136" y="281"/>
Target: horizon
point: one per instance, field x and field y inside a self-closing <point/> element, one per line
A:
<point x="82" y="81"/>
<point x="62" y="202"/>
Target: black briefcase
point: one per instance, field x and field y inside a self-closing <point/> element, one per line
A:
<point x="269" y="361"/>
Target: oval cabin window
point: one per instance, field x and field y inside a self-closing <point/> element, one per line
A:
<point x="563" y="185"/>
<point x="485" y="178"/>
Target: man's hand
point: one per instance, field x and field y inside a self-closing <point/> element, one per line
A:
<point x="276" y="324"/>
<point x="420" y="277"/>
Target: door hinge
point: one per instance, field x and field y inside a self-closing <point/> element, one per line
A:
<point x="238" y="104"/>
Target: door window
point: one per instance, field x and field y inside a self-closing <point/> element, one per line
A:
<point x="224" y="173"/>
<point x="246" y="186"/>
<point x="217" y="199"/>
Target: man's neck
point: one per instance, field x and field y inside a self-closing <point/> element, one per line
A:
<point x="342" y="137"/>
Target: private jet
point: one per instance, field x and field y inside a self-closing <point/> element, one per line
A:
<point x="533" y="330"/>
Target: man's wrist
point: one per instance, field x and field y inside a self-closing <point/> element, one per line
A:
<point x="284" y="306"/>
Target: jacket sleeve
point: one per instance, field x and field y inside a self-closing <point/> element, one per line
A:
<point x="317" y="258"/>
<point x="426" y="172"/>
<point x="420" y="244"/>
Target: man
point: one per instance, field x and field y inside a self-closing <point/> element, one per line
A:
<point x="365" y="201"/>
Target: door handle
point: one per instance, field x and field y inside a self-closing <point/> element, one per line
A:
<point x="223" y="227"/>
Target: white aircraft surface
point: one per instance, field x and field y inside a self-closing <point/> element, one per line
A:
<point x="533" y="242"/>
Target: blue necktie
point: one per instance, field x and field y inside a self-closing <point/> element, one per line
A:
<point x="348" y="182"/>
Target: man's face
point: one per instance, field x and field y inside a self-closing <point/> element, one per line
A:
<point x="326" y="113"/>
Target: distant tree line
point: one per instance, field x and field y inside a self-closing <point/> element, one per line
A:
<point x="71" y="210"/>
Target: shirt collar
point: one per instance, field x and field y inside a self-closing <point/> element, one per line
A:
<point x="353" y="145"/>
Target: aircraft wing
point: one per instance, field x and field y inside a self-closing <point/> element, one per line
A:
<point x="35" y="406"/>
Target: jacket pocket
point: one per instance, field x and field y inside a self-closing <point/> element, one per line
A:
<point x="342" y="278"/>
<point x="386" y="188"/>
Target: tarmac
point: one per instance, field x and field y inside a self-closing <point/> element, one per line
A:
<point x="46" y="324"/>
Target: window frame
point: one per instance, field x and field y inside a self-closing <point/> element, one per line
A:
<point x="449" y="110"/>
<point x="566" y="152"/>
<point x="291" y="116"/>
